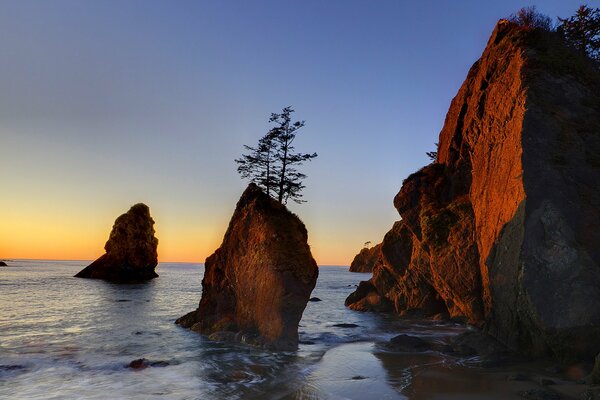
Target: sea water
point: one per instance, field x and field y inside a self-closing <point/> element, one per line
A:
<point x="63" y="338"/>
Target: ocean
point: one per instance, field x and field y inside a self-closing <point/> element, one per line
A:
<point x="69" y="338"/>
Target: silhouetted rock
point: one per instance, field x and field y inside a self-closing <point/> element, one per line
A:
<point x="502" y="229"/>
<point x="3" y="264"/>
<point x="130" y="250"/>
<point x="314" y="299"/>
<point x="142" y="363"/>
<point x="259" y="281"/>
<point x="366" y="259"/>
<point x="407" y="343"/>
<point x="345" y="325"/>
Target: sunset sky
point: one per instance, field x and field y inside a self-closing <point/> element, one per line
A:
<point x="104" y="104"/>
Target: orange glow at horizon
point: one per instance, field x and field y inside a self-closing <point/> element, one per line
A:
<point x="48" y="236"/>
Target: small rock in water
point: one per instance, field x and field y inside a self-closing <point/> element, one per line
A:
<point x="122" y="300"/>
<point x="138" y="364"/>
<point x="358" y="377"/>
<point x="314" y="299"/>
<point x="306" y="342"/>
<point x="407" y="343"/>
<point x="3" y="264"/>
<point x="346" y="326"/>
<point x="142" y="363"/>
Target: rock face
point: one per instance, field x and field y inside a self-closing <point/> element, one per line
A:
<point x="503" y="228"/>
<point x="130" y="250"/>
<point x="257" y="284"/>
<point x="366" y="260"/>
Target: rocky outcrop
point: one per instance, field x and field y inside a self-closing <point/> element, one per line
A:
<point x="257" y="284"/>
<point x="503" y="228"/>
<point x="130" y="250"/>
<point x="3" y="264"/>
<point x="366" y="259"/>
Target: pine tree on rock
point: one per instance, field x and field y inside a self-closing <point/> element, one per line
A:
<point x="273" y="163"/>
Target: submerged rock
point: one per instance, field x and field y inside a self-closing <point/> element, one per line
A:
<point x="257" y="284"/>
<point x="502" y="229"/>
<point x="408" y="344"/>
<point x="130" y="250"/>
<point x="366" y="259"/>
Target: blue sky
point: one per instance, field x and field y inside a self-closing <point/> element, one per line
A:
<point x="107" y="103"/>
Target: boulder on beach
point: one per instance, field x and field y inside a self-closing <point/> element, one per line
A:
<point x="366" y="259"/>
<point x="130" y="250"/>
<point x="258" y="282"/>
<point x="3" y="264"/>
<point x="502" y="228"/>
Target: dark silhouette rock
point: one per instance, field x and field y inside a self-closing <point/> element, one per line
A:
<point x="140" y="363"/>
<point x="314" y="299"/>
<point x="130" y="250"/>
<point x="366" y="259"/>
<point x="345" y="325"/>
<point x="3" y="264"/>
<point x="408" y="344"/>
<point x="502" y="229"/>
<point x="259" y="281"/>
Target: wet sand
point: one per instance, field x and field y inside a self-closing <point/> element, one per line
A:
<point x="366" y="371"/>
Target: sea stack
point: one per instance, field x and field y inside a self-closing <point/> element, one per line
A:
<point x="366" y="259"/>
<point x="130" y="250"/>
<point x="503" y="228"/>
<point x="257" y="284"/>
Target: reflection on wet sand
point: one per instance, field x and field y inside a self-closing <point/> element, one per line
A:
<point x="432" y="376"/>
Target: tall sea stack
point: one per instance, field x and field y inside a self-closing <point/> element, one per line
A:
<point x="130" y="250"/>
<point x="257" y="284"/>
<point x="503" y="228"/>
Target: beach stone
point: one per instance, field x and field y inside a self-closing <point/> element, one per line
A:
<point x="345" y="325"/>
<point x="139" y="364"/>
<point x="502" y="228"/>
<point x="131" y="254"/>
<point x="407" y="343"/>
<point x="142" y="363"/>
<point x="3" y="264"/>
<point x="258" y="282"/>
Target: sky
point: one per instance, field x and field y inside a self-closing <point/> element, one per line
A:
<point x="104" y="104"/>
